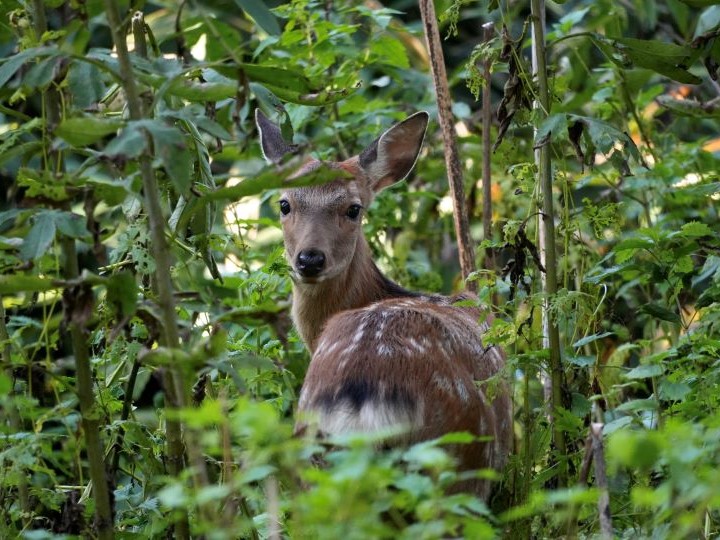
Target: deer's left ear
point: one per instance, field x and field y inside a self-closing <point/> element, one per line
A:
<point x="272" y="143"/>
<point x="392" y="156"/>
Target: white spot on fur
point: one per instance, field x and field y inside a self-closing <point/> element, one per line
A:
<point x="442" y="383"/>
<point x="462" y="391"/>
<point x="384" y="349"/>
<point x="416" y="346"/>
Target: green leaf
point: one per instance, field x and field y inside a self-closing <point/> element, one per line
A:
<point x="664" y="58"/>
<point x="261" y="14"/>
<point x="85" y="130"/>
<point x="660" y="312"/>
<point x="589" y="339"/>
<point x="695" y="229"/>
<point x="41" y="235"/>
<point x="390" y="51"/>
<point x="13" y="284"/>
<point x="122" y="292"/>
<point x="700" y="3"/>
<point x="9" y="67"/>
<point x="5" y="384"/>
<point x="645" y="372"/>
<point x="634" y="243"/>
<point x="581" y="361"/>
<point x="671" y="391"/>
<point x="129" y="144"/>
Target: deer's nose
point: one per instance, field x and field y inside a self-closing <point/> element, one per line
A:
<point x="310" y="262"/>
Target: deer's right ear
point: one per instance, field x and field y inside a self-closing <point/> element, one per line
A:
<point x="271" y="140"/>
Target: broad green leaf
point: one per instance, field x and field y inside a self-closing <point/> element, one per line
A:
<point x="41" y="74"/>
<point x="85" y="130"/>
<point x="14" y="284"/>
<point x="553" y="124"/>
<point x="660" y="312"/>
<point x="695" y="229"/>
<point x="9" y="67"/>
<point x="700" y="3"/>
<point x="663" y="58"/>
<point x="672" y="391"/>
<point x="645" y="372"/>
<point x="129" y="144"/>
<point x="41" y="236"/>
<point x="636" y="242"/>
<point x="261" y="14"/>
<point x="708" y="20"/>
<point x="5" y="384"/>
<point x="69" y="224"/>
<point x="122" y="292"/>
<point x="390" y="51"/>
<point x="635" y="405"/>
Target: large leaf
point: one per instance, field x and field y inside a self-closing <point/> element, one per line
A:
<point x="41" y="235"/>
<point x="261" y="14"/>
<point x="666" y="59"/>
<point x="85" y="130"/>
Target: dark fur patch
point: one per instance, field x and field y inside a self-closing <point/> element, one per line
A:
<point x="355" y="392"/>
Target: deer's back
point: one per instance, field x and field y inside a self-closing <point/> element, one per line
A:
<point x="411" y="363"/>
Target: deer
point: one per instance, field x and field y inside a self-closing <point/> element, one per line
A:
<point x="383" y="357"/>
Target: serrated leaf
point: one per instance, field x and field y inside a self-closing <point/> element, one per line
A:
<point x="390" y="51"/>
<point x="695" y="229"/>
<point x="85" y="130"/>
<point x="645" y="372"/>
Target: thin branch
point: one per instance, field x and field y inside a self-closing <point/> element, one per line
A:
<point x="547" y="227"/>
<point x="486" y="172"/>
<point x="606" y="528"/>
<point x="78" y="334"/>
<point x="452" y="158"/>
<point x="174" y="386"/>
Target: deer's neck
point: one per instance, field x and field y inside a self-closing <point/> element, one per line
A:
<point x="360" y="285"/>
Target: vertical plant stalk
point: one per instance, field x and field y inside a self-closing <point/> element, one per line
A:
<point x="486" y="150"/>
<point x="83" y="371"/>
<point x="452" y="158"/>
<point x="13" y="414"/>
<point x="606" y="528"/>
<point x="546" y="224"/>
<point x="174" y="385"/>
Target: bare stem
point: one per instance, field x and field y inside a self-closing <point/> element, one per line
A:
<point x="83" y="372"/>
<point x="13" y="413"/>
<point x="547" y="227"/>
<point x="486" y="151"/>
<point x="174" y="384"/>
<point x="452" y="158"/>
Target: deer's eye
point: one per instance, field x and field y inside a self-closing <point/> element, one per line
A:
<point x="284" y="207"/>
<point x="353" y="211"/>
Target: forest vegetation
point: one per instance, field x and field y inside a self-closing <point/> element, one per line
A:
<point x="149" y="367"/>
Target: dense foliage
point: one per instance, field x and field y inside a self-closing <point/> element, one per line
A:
<point x="112" y="347"/>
